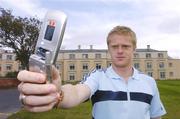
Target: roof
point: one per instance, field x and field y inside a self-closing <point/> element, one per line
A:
<point x="149" y="50"/>
<point x="104" y="50"/>
<point x="83" y="50"/>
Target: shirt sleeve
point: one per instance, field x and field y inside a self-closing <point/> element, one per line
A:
<point x="91" y="80"/>
<point x="156" y="109"/>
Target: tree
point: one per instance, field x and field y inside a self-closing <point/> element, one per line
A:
<point x="20" y="34"/>
<point x="11" y="74"/>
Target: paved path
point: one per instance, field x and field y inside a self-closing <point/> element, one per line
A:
<point x="9" y="102"/>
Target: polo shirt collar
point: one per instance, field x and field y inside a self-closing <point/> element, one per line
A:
<point x="113" y="75"/>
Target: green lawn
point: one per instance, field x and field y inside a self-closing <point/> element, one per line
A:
<point x="82" y="111"/>
<point x="170" y="95"/>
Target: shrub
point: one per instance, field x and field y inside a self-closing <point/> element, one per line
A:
<point x="11" y="74"/>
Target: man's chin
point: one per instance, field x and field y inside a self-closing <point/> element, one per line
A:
<point x="120" y="65"/>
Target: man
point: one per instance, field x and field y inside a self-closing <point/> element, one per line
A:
<point x="118" y="92"/>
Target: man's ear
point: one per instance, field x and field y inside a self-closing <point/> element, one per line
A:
<point x="134" y="49"/>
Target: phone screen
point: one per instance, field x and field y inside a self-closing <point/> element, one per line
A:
<point x="49" y="32"/>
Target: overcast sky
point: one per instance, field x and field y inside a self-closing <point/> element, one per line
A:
<point x="156" y="22"/>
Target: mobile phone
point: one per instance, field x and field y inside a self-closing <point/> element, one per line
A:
<point x="49" y="42"/>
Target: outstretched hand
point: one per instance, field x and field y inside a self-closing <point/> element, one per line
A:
<point x="36" y="93"/>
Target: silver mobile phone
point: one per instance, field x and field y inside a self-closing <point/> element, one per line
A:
<point x="49" y="42"/>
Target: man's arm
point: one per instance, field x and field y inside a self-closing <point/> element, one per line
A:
<point x="74" y="95"/>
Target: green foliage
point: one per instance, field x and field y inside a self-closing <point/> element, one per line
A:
<point x="20" y="34"/>
<point x="11" y="74"/>
<point x="169" y="92"/>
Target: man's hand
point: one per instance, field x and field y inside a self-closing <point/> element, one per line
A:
<point x="39" y="95"/>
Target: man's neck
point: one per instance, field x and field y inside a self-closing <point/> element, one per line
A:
<point x="124" y="72"/>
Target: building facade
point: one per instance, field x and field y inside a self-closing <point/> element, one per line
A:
<point x="7" y="62"/>
<point x="73" y="65"/>
<point x="157" y="63"/>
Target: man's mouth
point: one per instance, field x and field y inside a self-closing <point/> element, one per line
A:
<point x="120" y="57"/>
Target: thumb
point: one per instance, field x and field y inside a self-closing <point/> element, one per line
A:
<point x="56" y="79"/>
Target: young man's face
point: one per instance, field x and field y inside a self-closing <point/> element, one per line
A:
<point x="121" y="50"/>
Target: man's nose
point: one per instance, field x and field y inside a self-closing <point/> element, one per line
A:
<point x="120" y="49"/>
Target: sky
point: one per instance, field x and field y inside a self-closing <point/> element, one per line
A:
<point x="156" y="22"/>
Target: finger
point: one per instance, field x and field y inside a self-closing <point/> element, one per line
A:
<point x="41" y="100"/>
<point x="56" y="78"/>
<point x="21" y="98"/>
<point x="34" y="68"/>
<point x="20" y="86"/>
<point x="37" y="89"/>
<point x="33" y="77"/>
<point x="55" y="73"/>
<point x="40" y="108"/>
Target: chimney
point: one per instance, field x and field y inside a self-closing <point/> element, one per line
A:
<point x="148" y="47"/>
<point x="91" y="47"/>
<point x="79" y="47"/>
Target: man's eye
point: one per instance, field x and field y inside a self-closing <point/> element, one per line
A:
<point x="115" y="46"/>
<point x="126" y="46"/>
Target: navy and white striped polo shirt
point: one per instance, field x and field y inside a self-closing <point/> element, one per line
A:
<point x="114" y="98"/>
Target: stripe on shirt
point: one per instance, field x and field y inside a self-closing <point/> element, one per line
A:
<point x="102" y="95"/>
<point x="142" y="97"/>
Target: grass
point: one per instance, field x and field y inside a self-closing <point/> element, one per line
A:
<point x="170" y="96"/>
<point x="83" y="111"/>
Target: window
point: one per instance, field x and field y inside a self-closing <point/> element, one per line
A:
<point x="136" y="55"/>
<point x="85" y="74"/>
<point x="97" y="56"/>
<point x="9" y="57"/>
<point x="160" y="55"/>
<point x="72" y="76"/>
<point x="109" y="64"/>
<point x="136" y="65"/>
<point x="148" y="55"/>
<point x="85" y="56"/>
<point x="9" y="67"/>
<point x="98" y="66"/>
<point x="170" y="64"/>
<point x="162" y="75"/>
<point x="85" y="66"/>
<point x="149" y="65"/>
<point x="171" y="74"/>
<point x="58" y="66"/>
<point x="71" y="56"/>
<point x="161" y="65"/>
<point x="150" y="74"/>
<point x="71" y="67"/>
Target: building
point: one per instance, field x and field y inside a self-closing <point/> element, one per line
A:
<point x="157" y="63"/>
<point x="75" y="64"/>
<point x="7" y="61"/>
